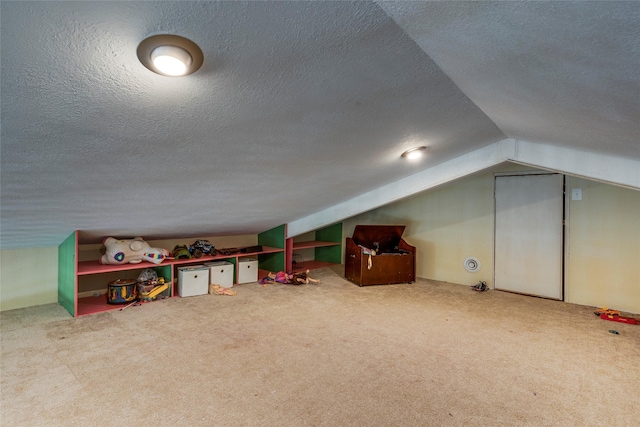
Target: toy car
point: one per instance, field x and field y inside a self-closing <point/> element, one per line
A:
<point x="202" y="247"/>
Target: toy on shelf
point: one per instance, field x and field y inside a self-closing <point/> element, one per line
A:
<point x="242" y="250"/>
<point x="149" y="290"/>
<point x="122" y="291"/>
<point x="150" y="285"/>
<point x="181" y="252"/>
<point x="155" y="255"/>
<point x="202" y="247"/>
<point x="131" y="251"/>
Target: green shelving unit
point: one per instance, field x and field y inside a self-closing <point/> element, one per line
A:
<point x="330" y="254"/>
<point x="67" y="270"/>
<point x="274" y="238"/>
<point x="327" y="246"/>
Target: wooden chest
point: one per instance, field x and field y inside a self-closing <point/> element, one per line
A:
<point x="377" y="255"/>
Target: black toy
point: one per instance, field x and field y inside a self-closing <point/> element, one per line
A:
<point x="202" y="247"/>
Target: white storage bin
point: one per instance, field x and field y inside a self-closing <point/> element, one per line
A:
<point x="193" y="280"/>
<point x="220" y="273"/>
<point x="247" y="270"/>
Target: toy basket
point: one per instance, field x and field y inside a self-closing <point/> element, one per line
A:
<point x="144" y="289"/>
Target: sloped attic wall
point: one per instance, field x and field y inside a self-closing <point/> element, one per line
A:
<point x="455" y="221"/>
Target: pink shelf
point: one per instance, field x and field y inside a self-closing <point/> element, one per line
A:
<point x="313" y="244"/>
<point x="98" y="304"/>
<point x="94" y="267"/>
<point x="311" y="265"/>
<point x="92" y="305"/>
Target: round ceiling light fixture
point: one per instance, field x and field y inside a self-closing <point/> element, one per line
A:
<point x="170" y="55"/>
<point x="414" y="153"/>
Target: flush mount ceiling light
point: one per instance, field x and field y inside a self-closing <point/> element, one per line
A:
<point x="170" y="55"/>
<point x="414" y="153"/>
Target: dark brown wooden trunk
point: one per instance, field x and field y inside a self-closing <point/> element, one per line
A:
<point x="394" y="261"/>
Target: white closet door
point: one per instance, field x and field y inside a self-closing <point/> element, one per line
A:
<point x="529" y="234"/>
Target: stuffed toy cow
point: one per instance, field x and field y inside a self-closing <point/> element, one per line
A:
<point x="132" y="251"/>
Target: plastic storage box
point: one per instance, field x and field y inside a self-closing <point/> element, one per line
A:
<point x="220" y="273"/>
<point x="193" y="280"/>
<point x="247" y="270"/>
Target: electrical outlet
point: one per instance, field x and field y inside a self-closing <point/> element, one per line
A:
<point x="576" y="194"/>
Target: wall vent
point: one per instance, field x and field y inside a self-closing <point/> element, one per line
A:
<point x="471" y="264"/>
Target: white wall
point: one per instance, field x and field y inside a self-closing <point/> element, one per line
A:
<point x="456" y="220"/>
<point x="28" y="277"/>
<point x="603" y="262"/>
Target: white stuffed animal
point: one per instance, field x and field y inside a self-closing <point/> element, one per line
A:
<point x="132" y="251"/>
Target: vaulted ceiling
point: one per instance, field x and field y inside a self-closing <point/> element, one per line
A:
<point x="300" y="108"/>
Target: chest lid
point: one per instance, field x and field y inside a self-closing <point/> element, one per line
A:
<point x="384" y="238"/>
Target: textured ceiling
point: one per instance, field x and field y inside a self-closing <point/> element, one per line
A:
<point x="563" y="72"/>
<point x="298" y="106"/>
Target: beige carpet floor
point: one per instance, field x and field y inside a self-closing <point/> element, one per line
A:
<point x="332" y="354"/>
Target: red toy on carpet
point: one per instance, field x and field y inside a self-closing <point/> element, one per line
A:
<point x="621" y="319"/>
<point x="614" y="316"/>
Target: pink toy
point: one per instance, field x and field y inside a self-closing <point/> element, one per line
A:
<point x="282" y="277"/>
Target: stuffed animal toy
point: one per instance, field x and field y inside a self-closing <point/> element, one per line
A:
<point x="132" y="251"/>
<point x="155" y="255"/>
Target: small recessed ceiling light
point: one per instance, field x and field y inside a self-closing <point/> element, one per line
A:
<point x="414" y="153"/>
<point x="170" y="55"/>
